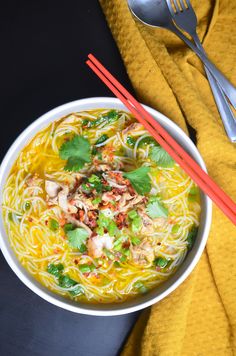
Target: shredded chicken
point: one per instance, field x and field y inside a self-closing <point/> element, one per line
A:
<point x="78" y="223"/>
<point x="133" y="127"/>
<point x="110" y="196"/>
<point x="143" y="253"/>
<point x="33" y="181"/>
<point x="103" y="167"/>
<point x="97" y="243"/>
<point x="63" y="201"/>
<point x="147" y="223"/>
<point x="127" y="203"/>
<point x="52" y="189"/>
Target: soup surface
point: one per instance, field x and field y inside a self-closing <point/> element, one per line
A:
<point x="96" y="210"/>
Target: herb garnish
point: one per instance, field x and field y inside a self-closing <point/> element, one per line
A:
<point x="108" y="118"/>
<point x="76" y="152"/>
<point x="101" y="139"/>
<point x="105" y="223"/>
<point x="77" y="237"/>
<point x="131" y="141"/>
<point x="136" y="221"/>
<point x="64" y="281"/>
<point x="155" y="209"/>
<point x="161" y="157"/>
<point x="139" y="179"/>
<point x="53" y="225"/>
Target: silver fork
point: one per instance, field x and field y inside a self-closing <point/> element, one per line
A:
<point x="186" y="19"/>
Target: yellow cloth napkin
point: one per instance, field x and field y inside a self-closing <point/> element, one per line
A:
<point x="199" y="318"/>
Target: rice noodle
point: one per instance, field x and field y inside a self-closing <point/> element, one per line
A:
<point x="36" y="246"/>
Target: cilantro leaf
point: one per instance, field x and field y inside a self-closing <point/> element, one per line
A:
<point x="161" y="157"/>
<point x="76" y="152"/>
<point x="77" y="237"/>
<point x="139" y="179"/>
<point x="155" y="209"/>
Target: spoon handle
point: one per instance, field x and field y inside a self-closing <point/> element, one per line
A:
<point x="227" y="87"/>
<point x="223" y="105"/>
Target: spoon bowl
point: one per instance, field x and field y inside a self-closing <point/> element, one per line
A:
<point x="151" y="12"/>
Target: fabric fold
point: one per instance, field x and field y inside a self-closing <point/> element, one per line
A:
<point x="199" y="318"/>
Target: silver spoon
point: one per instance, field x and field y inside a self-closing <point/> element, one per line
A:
<point x="156" y="13"/>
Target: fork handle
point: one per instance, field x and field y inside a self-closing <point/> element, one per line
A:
<point x="226" y="86"/>
<point x="224" y="109"/>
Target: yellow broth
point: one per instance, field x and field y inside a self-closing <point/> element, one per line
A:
<point x="38" y="245"/>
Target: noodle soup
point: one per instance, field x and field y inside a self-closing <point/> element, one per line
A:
<point x="97" y="211"/>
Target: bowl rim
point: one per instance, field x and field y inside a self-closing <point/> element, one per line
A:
<point x="28" y="133"/>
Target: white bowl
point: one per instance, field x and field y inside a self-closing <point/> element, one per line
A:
<point x="141" y="301"/>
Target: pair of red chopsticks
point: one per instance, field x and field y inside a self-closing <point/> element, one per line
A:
<point x="201" y="178"/>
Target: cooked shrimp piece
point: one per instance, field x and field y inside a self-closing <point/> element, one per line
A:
<point x="97" y="243"/>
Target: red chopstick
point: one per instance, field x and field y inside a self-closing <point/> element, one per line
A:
<point x="201" y="178"/>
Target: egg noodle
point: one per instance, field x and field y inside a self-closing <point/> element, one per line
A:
<point x="38" y="244"/>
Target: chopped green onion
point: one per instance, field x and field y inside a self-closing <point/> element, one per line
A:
<point x="66" y="282"/>
<point x="109" y="254"/>
<point x="136" y="224"/>
<point x="175" y="229"/>
<point x="141" y="287"/>
<point x="116" y="264"/>
<point x="68" y="227"/>
<point x="131" y="141"/>
<point x="77" y="291"/>
<point x="85" y="122"/>
<point x="96" y="201"/>
<point x="94" y="151"/>
<point x="87" y="189"/>
<point x="161" y="262"/>
<point x="135" y="240"/>
<point x="55" y="270"/>
<point x="27" y="205"/>
<point x="192" y="236"/>
<point x="118" y="247"/>
<point x="147" y="141"/>
<point x="85" y="268"/>
<point x="132" y="214"/>
<point x="53" y="225"/>
<point x="123" y="258"/>
<point x="83" y="248"/>
<point x="101" y="139"/>
<point x="193" y="193"/>
<point x="126" y="252"/>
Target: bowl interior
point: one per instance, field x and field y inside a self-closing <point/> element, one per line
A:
<point x="141" y="301"/>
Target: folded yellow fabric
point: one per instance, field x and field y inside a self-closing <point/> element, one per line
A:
<point x="199" y="318"/>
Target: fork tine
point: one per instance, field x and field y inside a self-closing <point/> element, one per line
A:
<point x="170" y="6"/>
<point x="182" y="3"/>
<point x="189" y="4"/>
<point x="177" y="5"/>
